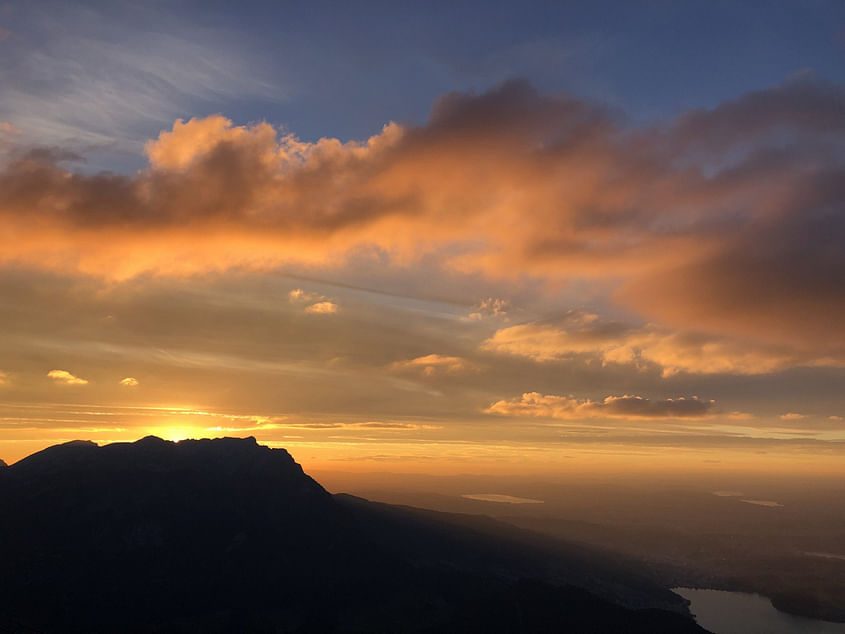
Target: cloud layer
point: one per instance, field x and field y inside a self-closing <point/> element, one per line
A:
<point x="584" y="336"/>
<point x="729" y="219"/>
<point x="567" y="407"/>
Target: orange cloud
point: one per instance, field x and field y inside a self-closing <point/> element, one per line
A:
<point x="322" y="308"/>
<point x="317" y="304"/>
<point x="300" y="295"/>
<point x="729" y="219"/>
<point x="129" y="382"/>
<point x="567" y="407"/>
<point x="64" y="377"/>
<point x="583" y="336"/>
<point x="431" y="364"/>
<point x="194" y="140"/>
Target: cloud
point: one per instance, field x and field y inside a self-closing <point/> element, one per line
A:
<point x="318" y="304"/>
<point x="129" y="382"/>
<point x="727" y="220"/>
<point x="567" y="407"/>
<point x="63" y="377"/>
<point x="739" y="416"/>
<point x="81" y="74"/>
<point x="300" y="295"/>
<point x="585" y="336"/>
<point x="432" y="364"/>
<point x="490" y="307"/>
<point x="322" y="308"/>
<point x="372" y="425"/>
<point x="792" y="416"/>
<point x="801" y="104"/>
<point x="4" y="378"/>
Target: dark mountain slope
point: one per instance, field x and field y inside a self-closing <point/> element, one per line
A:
<point x="483" y="545"/>
<point x="226" y="535"/>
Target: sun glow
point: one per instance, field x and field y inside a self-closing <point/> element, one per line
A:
<point x="178" y="433"/>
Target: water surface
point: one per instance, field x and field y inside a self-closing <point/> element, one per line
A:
<point x="500" y="498"/>
<point x="724" y="612"/>
<point x="825" y="555"/>
<point x="770" y="503"/>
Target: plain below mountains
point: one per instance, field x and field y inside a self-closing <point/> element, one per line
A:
<point x="226" y="535"/>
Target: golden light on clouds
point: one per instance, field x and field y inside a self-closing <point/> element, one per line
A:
<point x="585" y="336"/>
<point x="300" y="295"/>
<point x="606" y="203"/>
<point x="605" y="435"/>
<point x="431" y="364"/>
<point x="322" y="308"/>
<point x="317" y="304"/>
<point x="63" y="377"/>
<point x="521" y="274"/>
<point x="178" y="433"/>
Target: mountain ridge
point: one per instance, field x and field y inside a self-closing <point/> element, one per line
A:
<point x="222" y="534"/>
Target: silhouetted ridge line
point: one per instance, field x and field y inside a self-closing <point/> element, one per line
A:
<point x="229" y="535"/>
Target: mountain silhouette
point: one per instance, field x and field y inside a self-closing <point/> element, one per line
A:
<point x="227" y="535"/>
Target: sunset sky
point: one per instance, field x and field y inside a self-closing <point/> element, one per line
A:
<point x="446" y="237"/>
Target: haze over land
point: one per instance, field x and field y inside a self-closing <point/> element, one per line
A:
<point x="226" y="535"/>
<point x="679" y="529"/>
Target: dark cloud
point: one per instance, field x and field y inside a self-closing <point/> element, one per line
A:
<point x="627" y="406"/>
<point x="780" y="280"/>
<point x="804" y="104"/>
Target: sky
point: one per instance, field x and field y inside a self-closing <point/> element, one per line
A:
<point x="428" y="237"/>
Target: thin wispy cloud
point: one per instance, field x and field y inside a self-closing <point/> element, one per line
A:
<point x="432" y="364"/>
<point x="81" y="75"/>
<point x="490" y="307"/>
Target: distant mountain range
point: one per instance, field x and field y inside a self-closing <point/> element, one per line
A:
<point x="226" y="535"/>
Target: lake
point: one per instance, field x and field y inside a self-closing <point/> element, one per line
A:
<point x="500" y="498"/>
<point x="724" y="612"/>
